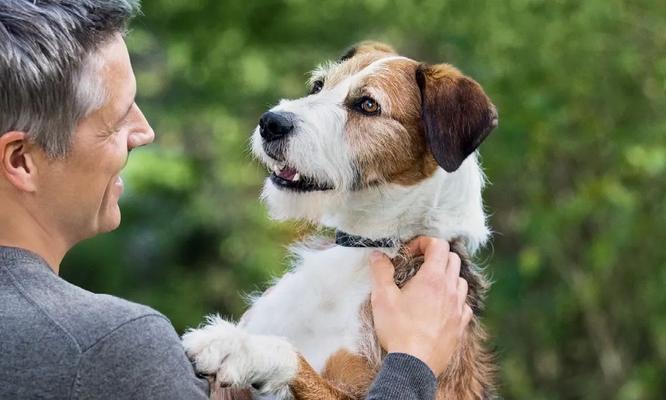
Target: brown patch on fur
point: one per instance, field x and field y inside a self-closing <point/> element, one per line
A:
<point x="309" y="385"/>
<point x="370" y="46"/>
<point x="350" y="372"/>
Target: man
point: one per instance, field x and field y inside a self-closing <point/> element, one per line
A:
<point x="67" y="124"/>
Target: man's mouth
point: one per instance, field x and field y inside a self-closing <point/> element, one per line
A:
<point x="287" y="177"/>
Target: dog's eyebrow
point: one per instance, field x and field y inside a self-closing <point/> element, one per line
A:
<point x="320" y="72"/>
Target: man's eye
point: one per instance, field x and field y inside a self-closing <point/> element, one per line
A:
<point x="368" y="106"/>
<point x="109" y="131"/>
<point x="317" y="86"/>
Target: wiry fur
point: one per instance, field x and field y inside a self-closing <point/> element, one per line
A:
<point x="386" y="184"/>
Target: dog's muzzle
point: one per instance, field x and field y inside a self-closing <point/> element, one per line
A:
<point x="275" y="128"/>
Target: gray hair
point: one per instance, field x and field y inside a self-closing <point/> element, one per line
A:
<point x="48" y="79"/>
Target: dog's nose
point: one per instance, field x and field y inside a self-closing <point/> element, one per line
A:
<point x="273" y="126"/>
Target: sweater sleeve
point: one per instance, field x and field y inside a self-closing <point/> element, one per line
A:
<point x="141" y="359"/>
<point x="403" y="377"/>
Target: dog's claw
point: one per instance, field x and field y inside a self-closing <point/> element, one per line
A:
<point x="239" y="360"/>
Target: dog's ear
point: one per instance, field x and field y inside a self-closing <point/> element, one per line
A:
<point x="457" y="115"/>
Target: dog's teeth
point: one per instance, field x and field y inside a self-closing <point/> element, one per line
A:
<point x="296" y="177"/>
<point x="276" y="169"/>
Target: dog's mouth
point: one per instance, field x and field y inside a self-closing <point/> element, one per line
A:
<point x="287" y="177"/>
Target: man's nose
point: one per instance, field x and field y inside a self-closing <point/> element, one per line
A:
<point x="143" y="134"/>
<point x="274" y="126"/>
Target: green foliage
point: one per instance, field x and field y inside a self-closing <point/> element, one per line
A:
<point x="577" y="167"/>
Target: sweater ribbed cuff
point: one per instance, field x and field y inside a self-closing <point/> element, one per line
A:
<point x="404" y="377"/>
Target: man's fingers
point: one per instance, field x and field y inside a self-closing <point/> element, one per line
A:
<point x="417" y="246"/>
<point x="466" y="318"/>
<point x="453" y="268"/>
<point x="381" y="270"/>
<point x="423" y="245"/>
<point x="462" y="292"/>
<point x="436" y="257"/>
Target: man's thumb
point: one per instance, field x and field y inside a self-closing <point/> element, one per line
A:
<point x="382" y="271"/>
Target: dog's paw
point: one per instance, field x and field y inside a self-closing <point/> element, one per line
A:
<point x="237" y="359"/>
<point x="208" y="347"/>
<point x="271" y="363"/>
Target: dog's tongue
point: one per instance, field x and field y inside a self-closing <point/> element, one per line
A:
<point x="287" y="173"/>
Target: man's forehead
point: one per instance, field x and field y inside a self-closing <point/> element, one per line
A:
<point x="117" y="75"/>
<point x="114" y="57"/>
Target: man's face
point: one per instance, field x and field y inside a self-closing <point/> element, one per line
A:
<point x="80" y="193"/>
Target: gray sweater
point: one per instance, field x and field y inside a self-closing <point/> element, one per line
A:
<point x="58" y="341"/>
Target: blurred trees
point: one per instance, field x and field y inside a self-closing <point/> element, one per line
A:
<point x="577" y="169"/>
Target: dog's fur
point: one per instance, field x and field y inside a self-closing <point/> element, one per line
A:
<point x="409" y="169"/>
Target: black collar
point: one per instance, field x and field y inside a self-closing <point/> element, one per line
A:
<point x="346" y="240"/>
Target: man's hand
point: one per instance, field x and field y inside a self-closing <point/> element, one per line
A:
<point x="428" y="316"/>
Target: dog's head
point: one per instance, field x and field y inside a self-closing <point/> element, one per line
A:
<point x="372" y="119"/>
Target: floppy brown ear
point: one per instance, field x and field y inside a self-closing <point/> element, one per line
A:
<point x="457" y="115"/>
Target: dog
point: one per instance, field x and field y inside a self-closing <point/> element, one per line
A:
<point x="382" y="149"/>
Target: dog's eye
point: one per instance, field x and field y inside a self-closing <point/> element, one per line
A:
<point x="317" y="86"/>
<point x="368" y="106"/>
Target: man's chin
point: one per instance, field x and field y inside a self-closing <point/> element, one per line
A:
<point x="110" y="221"/>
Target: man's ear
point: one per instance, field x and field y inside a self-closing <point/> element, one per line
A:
<point x="17" y="160"/>
<point x="457" y="115"/>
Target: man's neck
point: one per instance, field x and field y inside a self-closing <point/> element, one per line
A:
<point x="23" y="230"/>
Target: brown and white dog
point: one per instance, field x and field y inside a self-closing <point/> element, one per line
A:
<point x="382" y="149"/>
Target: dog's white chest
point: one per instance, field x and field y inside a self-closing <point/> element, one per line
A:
<point x="316" y="306"/>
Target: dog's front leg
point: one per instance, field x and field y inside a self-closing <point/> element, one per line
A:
<point x="264" y="364"/>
